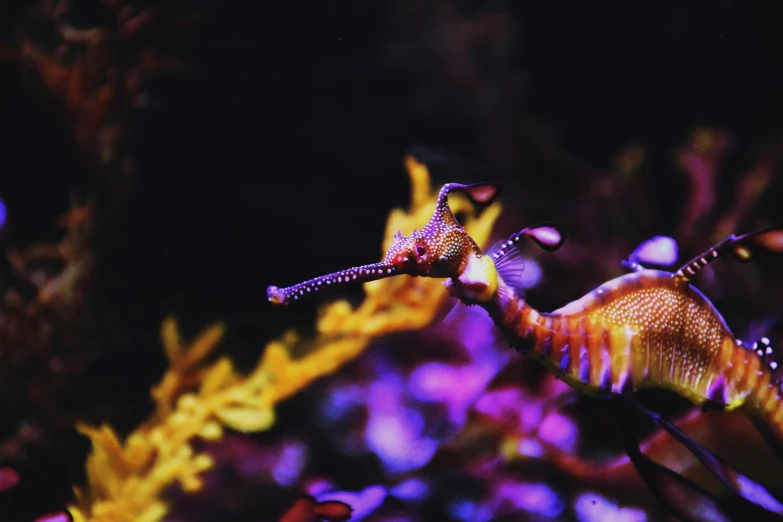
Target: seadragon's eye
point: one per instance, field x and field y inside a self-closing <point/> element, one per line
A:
<point x="420" y="253"/>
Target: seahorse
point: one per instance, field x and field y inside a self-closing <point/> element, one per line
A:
<point x="646" y="329"/>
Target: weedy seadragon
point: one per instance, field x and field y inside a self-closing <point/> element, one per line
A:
<point x="645" y="329"/>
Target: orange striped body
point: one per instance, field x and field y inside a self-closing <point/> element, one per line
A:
<point x="644" y="329"/>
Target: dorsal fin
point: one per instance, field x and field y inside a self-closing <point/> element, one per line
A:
<point x="508" y="259"/>
<point x="509" y="263"/>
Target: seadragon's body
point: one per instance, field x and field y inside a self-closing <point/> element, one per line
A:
<point x="645" y="329"/>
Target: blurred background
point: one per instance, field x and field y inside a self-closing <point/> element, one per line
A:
<point x="176" y="158"/>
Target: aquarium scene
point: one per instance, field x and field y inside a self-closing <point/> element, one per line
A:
<point x="392" y="261"/>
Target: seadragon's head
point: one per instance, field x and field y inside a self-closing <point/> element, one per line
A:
<point x="442" y="249"/>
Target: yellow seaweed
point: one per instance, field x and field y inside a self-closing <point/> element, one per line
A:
<point x="125" y="480"/>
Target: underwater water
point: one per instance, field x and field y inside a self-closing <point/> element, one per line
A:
<point x="164" y="163"/>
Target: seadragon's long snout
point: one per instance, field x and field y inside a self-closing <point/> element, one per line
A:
<point x="433" y="238"/>
<point x="359" y="274"/>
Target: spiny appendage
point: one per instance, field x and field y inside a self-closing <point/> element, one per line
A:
<point x="743" y="248"/>
<point x="359" y="274"/>
<point x="507" y="259"/>
<point x="548" y="236"/>
<point x="686" y="272"/>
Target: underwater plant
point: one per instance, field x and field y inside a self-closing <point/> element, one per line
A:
<point x="90" y="66"/>
<point x="43" y="312"/>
